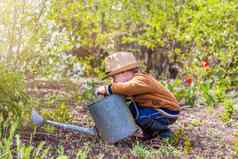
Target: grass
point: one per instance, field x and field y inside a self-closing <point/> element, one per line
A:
<point x="11" y="146"/>
<point x="141" y="151"/>
<point x="164" y="151"/>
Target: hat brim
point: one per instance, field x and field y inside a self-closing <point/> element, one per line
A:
<point x="123" y="69"/>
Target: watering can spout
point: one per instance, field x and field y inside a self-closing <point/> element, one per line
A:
<point x="112" y="117"/>
<point x="38" y="120"/>
<point x="89" y="131"/>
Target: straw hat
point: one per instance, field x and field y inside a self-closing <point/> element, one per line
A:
<point x="120" y="62"/>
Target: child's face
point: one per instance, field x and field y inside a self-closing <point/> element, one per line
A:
<point x="123" y="76"/>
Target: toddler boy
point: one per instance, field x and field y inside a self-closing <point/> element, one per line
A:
<point x="152" y="106"/>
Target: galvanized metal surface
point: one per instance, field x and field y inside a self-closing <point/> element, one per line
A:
<point x="88" y="131"/>
<point x="36" y="118"/>
<point x="113" y="118"/>
<point x="39" y="121"/>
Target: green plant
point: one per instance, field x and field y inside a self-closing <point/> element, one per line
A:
<point x="11" y="146"/>
<point x="187" y="145"/>
<point x="82" y="154"/>
<point x="235" y="146"/>
<point x="180" y="135"/>
<point x="228" y="109"/>
<point x="7" y="138"/>
<point x="61" y="153"/>
<point x="61" y="113"/>
<point x="165" y="151"/>
<point x="24" y="151"/>
<point x="140" y="151"/>
<point x="190" y="95"/>
<point x="14" y="102"/>
<point x="220" y="89"/>
<point x="88" y="91"/>
<point x="207" y="93"/>
<point x="182" y="92"/>
<point x="196" y="122"/>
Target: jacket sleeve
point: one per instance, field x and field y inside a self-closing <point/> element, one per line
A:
<point x="135" y="86"/>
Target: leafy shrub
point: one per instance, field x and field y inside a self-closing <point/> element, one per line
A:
<point x="14" y="102"/>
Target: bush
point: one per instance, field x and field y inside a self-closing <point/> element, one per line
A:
<point x="14" y="102"/>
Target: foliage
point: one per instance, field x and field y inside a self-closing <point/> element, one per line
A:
<point x="187" y="145"/>
<point x="185" y="30"/>
<point x="14" y="102"/>
<point x="183" y="93"/>
<point x="165" y="150"/>
<point x="61" y="113"/>
<point x="140" y="151"/>
<point x="220" y="88"/>
<point x="228" y="109"/>
<point x="207" y="94"/>
<point x="200" y="37"/>
<point x="185" y="33"/>
<point x="181" y="136"/>
<point x="9" y="149"/>
<point x="11" y="146"/>
<point x="82" y="154"/>
<point x="236" y="144"/>
<point x="88" y="91"/>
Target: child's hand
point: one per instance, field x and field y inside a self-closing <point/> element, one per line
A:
<point x="101" y="91"/>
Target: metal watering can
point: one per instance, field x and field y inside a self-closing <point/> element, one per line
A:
<point x="113" y="120"/>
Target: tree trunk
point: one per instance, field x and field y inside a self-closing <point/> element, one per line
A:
<point x="149" y="53"/>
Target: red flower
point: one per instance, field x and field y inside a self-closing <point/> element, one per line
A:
<point x="188" y="80"/>
<point x="205" y="64"/>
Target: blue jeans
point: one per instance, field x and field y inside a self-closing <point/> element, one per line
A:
<point x="152" y="121"/>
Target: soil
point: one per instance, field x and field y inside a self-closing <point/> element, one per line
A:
<point x="199" y="131"/>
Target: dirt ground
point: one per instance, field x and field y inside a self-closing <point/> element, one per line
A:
<point x="200" y="133"/>
<point x="207" y="135"/>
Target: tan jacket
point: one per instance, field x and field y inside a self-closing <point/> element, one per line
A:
<point x="146" y="91"/>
